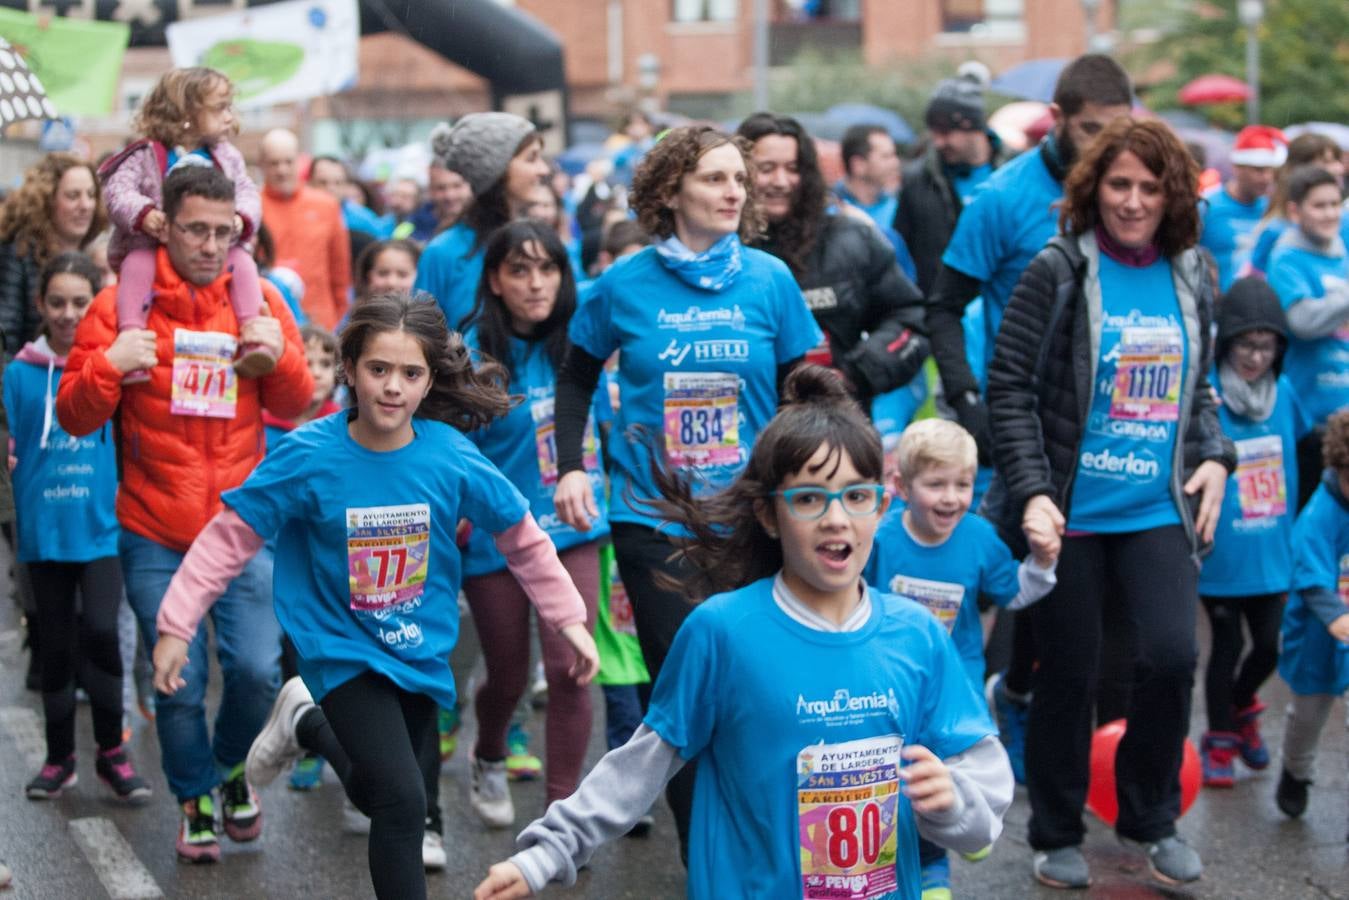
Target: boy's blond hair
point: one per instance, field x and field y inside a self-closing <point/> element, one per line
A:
<point x="1335" y="446"/>
<point x="935" y="442"/>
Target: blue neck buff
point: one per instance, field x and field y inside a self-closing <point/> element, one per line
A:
<point x="712" y="270"/>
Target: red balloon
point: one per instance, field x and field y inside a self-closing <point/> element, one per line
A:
<point x="1101" y="797"/>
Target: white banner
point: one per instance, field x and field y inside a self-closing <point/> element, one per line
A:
<point x="276" y="53"/>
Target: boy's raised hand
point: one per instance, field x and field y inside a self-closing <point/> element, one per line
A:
<point x="927" y="781"/>
<point x="503" y="882"/>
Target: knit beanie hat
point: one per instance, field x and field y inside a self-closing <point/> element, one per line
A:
<point x="956" y="105"/>
<point x="1260" y="146"/>
<point x="480" y="146"/>
<point x="1250" y="304"/>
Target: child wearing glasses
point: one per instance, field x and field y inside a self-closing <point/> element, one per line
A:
<point x="186" y="120"/>
<point x="1247" y="575"/>
<point x="930" y="550"/>
<point x="832" y="723"/>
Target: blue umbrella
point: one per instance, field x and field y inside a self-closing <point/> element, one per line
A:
<point x="850" y="114"/>
<point x="1030" y="80"/>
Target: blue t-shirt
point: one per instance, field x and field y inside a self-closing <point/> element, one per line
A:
<point x="367" y="575"/>
<point x="361" y="218"/>
<point x="1229" y="231"/>
<point x="449" y="270"/>
<point x="1252" y="548"/>
<point x="1311" y="661"/>
<point x="966" y="184"/>
<point x="1010" y="219"/>
<point x="764" y="703"/>
<point x="947" y="579"/>
<point x="698" y="368"/>
<point x="1123" y="480"/>
<point x="65" y="493"/>
<point x="523" y="446"/>
<point x="1318" y="368"/>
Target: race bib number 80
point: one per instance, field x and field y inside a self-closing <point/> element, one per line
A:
<point x="847" y="808"/>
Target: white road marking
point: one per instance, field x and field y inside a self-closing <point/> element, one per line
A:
<point x="122" y="874"/>
<point x="24" y="727"/>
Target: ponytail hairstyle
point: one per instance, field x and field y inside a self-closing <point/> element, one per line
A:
<point x="728" y="548"/>
<point x="489" y="314"/>
<point x="461" y="395"/>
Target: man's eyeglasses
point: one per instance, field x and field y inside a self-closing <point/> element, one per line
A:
<point x="810" y="503"/>
<point x="200" y="232"/>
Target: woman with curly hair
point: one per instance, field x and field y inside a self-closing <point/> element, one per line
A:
<point x="1105" y="428"/>
<point x="57" y="208"/>
<point x="706" y="328"/>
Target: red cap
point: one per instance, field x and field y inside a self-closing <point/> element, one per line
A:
<point x="1261" y="146"/>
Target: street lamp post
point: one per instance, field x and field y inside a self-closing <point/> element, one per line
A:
<point x="1251" y="13"/>
<point x="1089" y="8"/>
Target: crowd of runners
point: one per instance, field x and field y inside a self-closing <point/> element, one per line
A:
<point x="863" y="502"/>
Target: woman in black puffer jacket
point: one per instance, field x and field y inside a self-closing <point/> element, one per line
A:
<point x="1104" y="427"/>
<point x="58" y="207"/>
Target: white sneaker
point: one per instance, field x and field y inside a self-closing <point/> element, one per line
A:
<point x="353" y="820"/>
<point x="433" y="852"/>
<point x="489" y="794"/>
<point x="275" y="747"/>
<point x="4" y="876"/>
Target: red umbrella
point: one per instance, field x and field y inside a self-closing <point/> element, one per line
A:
<point x="1214" y="89"/>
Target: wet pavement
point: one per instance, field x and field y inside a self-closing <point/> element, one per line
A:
<point x="85" y="846"/>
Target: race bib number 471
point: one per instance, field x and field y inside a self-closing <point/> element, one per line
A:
<point x="204" y="382"/>
<point x="387" y="554"/>
<point x="847" y="807"/>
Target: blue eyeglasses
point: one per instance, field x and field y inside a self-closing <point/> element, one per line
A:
<point x="811" y="503"/>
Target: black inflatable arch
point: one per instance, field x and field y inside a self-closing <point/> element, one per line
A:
<point x="516" y="54"/>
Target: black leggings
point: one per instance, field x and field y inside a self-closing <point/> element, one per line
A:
<point x="79" y="641"/>
<point x="640" y="553"/>
<point x="376" y="736"/>
<point x="1226" y="689"/>
<point x="1153" y="578"/>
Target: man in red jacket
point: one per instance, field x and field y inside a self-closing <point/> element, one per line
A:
<point x="193" y="430"/>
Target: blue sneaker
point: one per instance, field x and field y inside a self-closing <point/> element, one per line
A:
<point x="307" y="773"/>
<point x="1011" y="715"/>
<point x="521" y="765"/>
<point x="936" y="880"/>
<point x="1253" y="751"/>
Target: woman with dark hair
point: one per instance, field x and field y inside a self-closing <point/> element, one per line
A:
<point x="706" y="329"/>
<point x="500" y="155"/>
<point x="525" y="299"/>
<point x="57" y="208"/>
<point x="1104" y="427"/>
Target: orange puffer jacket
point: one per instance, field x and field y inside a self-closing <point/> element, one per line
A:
<point x="175" y="466"/>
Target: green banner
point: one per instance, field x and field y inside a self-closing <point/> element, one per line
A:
<point x="78" y="61"/>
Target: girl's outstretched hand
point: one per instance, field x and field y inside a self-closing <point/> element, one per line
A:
<point x="587" y="664"/>
<point x="927" y="781"/>
<point x="503" y="882"/>
<point x="170" y="657"/>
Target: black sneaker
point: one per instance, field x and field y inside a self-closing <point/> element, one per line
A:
<point x="52" y="780"/>
<point x="240" y="807"/>
<point x="1291" y="795"/>
<point x="116" y="771"/>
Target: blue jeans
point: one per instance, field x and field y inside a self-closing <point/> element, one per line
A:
<point x="248" y="644"/>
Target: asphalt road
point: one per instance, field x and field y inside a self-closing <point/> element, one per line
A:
<point x="85" y="846"/>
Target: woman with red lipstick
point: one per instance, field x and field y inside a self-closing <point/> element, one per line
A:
<point x="1105" y="428"/>
<point x="705" y="329"/>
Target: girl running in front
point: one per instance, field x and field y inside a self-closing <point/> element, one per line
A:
<point x="365" y="506"/>
<point x="525" y="300"/>
<point x="187" y="119"/>
<point x="832" y="723"/>
<point x="64" y="488"/>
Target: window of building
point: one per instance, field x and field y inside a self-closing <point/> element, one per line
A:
<point x="984" y="18"/>
<point x="820" y="10"/>
<point x="706" y="10"/>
